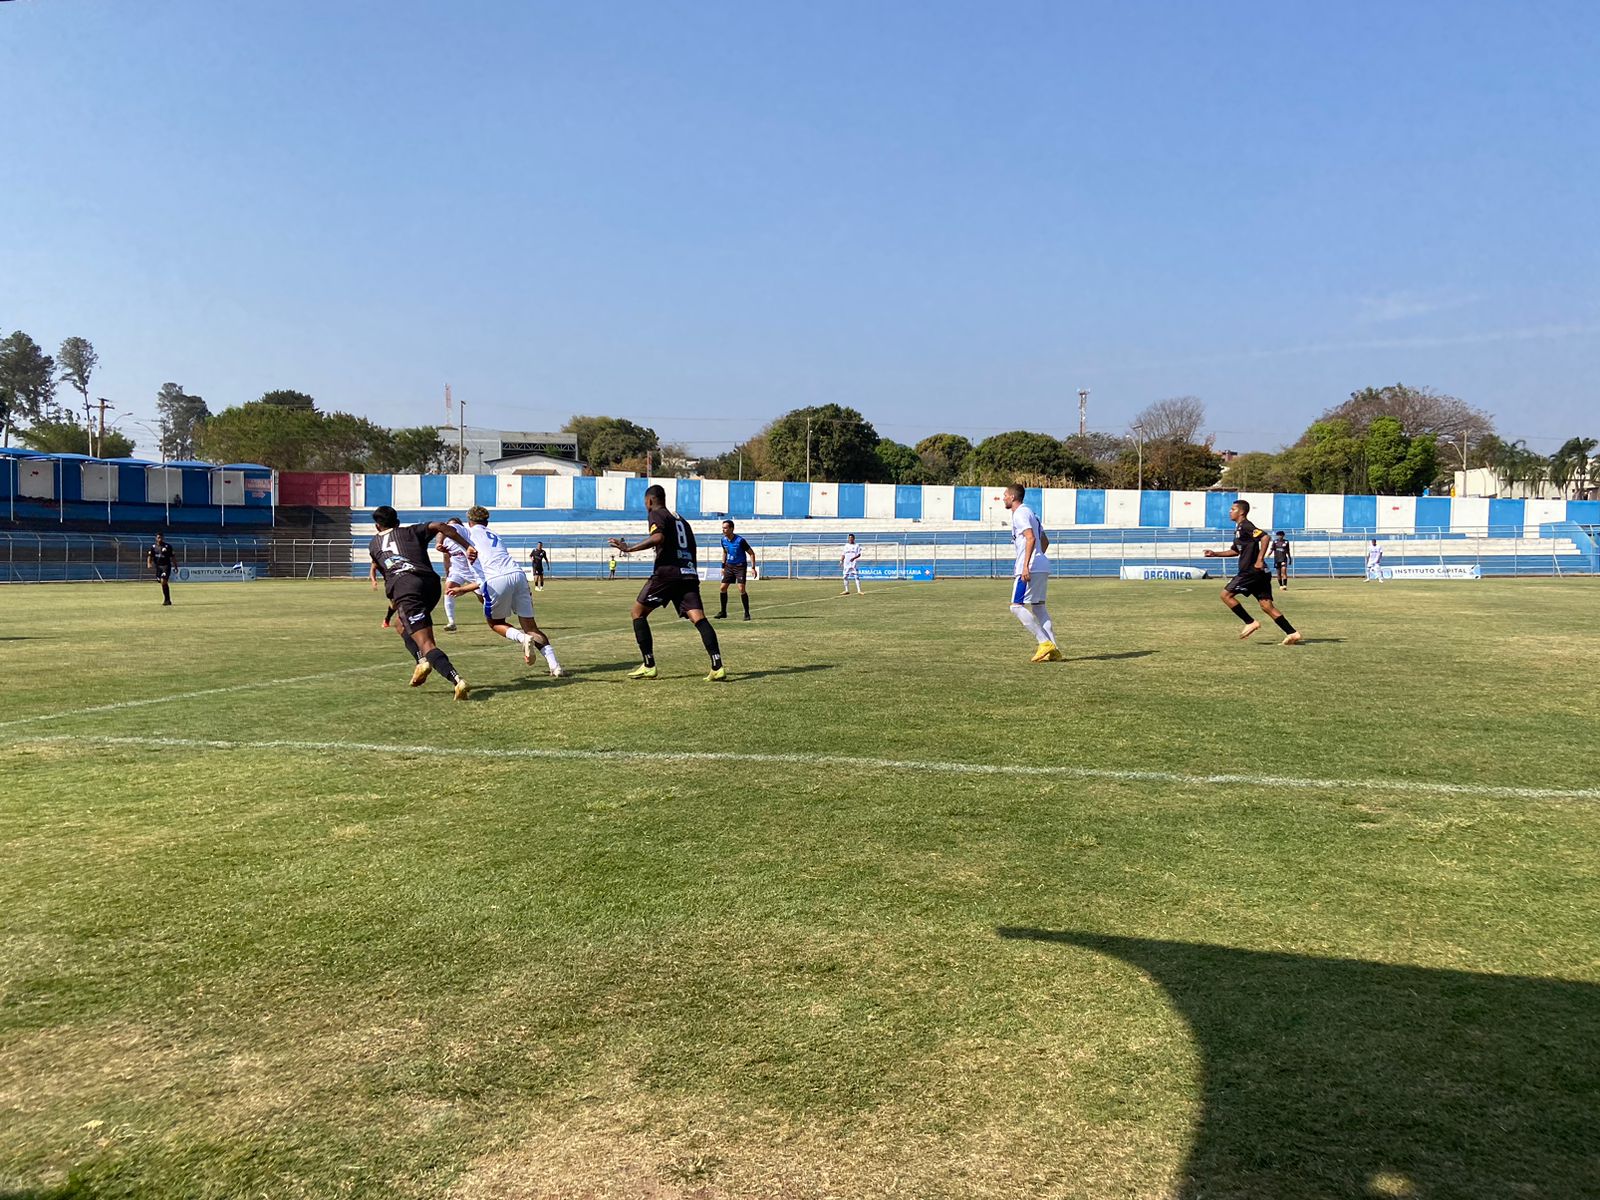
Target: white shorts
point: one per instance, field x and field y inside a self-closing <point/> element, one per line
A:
<point x="454" y="580"/>
<point x="852" y="572"/>
<point x="1030" y="591"/>
<point x="506" y="596"/>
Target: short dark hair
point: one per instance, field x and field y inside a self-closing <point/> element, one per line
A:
<point x="727" y="522"/>
<point x="385" y="517"/>
<point x="1280" y="533"/>
<point x="656" y="492"/>
<point x="1244" y="504"/>
<point x="1017" y="490"/>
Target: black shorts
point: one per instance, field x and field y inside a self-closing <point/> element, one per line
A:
<point x="1280" y="563"/>
<point x="680" y="591"/>
<point x="1251" y="583"/>
<point x="734" y="572"/>
<point x="413" y="596"/>
<point x="164" y="574"/>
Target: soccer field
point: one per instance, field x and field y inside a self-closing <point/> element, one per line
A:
<point x="890" y="913"/>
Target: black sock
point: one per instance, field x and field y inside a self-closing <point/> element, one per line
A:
<point x="708" y="635"/>
<point x="441" y="664"/>
<point x="724" y="611"/>
<point x="166" y="594"/>
<point x="1239" y="611"/>
<point x="647" y="644"/>
<point x="1283" y="623"/>
<point x="744" y="599"/>
<point x="388" y="616"/>
<point x="411" y="645"/>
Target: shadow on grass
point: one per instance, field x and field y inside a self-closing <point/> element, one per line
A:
<point x="735" y="674"/>
<point x="1339" y="1078"/>
<point x="1118" y="657"/>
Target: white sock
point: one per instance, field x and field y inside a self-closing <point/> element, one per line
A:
<point x="516" y="635"/>
<point x="549" y="653"/>
<point x="1029" y="621"/>
<point x="1042" y="614"/>
<point x="449" y="610"/>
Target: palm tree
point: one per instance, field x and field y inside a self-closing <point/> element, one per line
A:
<point x="1570" y="465"/>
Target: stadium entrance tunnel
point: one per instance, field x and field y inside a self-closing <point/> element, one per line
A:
<point x="1340" y="1078"/>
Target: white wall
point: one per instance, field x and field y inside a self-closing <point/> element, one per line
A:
<point x="1325" y="512"/>
<point x="713" y="495"/>
<point x="824" y="499"/>
<point x="1260" y="508"/>
<point x="227" y="487"/>
<point x="769" y="498"/>
<point x="993" y="510"/>
<point x="460" y="492"/>
<point x="358" y="491"/>
<point x="880" y="500"/>
<point x="938" y="503"/>
<point x="558" y="491"/>
<point x="1122" y="508"/>
<point x="1060" y="507"/>
<point x="1466" y="512"/>
<point x="164" y="485"/>
<point x="1537" y="512"/>
<point x="37" y="480"/>
<point x="508" y="491"/>
<point x="100" y="481"/>
<point x="407" y="491"/>
<point x="1188" y="510"/>
<point x="1397" y="514"/>
<point x="610" y="492"/>
<point x="670" y="487"/>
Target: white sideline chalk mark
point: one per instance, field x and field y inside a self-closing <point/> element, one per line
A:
<point x="934" y="767"/>
<point x="390" y="665"/>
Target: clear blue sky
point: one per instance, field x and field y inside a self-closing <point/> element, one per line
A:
<point x="700" y="215"/>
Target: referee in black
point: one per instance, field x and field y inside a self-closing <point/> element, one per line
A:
<point x="161" y="558"/>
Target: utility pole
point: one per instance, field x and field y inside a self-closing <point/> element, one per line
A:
<point x="1083" y="411"/>
<point x="461" y="441"/>
<point x="1139" y="431"/>
<point x="95" y="447"/>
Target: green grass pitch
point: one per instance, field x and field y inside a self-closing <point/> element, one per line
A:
<point x="891" y="913"/>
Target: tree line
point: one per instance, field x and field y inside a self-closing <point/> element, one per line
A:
<point x="1394" y="440"/>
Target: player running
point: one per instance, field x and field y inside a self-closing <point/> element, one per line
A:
<point x="1374" y="562"/>
<point x="850" y="564"/>
<point x="738" y="559"/>
<point x="401" y="555"/>
<point x="1031" y="578"/>
<point x="537" y="560"/>
<point x="503" y="588"/>
<point x="458" y="573"/>
<point x="161" y="558"/>
<point x="1282" y="556"/>
<point x="1253" y="579"/>
<point x="675" y="580"/>
<point x="373" y="578"/>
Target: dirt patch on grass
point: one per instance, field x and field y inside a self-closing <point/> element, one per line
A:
<point x="626" y="1146"/>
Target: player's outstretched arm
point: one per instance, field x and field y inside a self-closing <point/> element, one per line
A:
<point x="454" y="535"/>
<point x="1230" y="552"/>
<point x="649" y="543"/>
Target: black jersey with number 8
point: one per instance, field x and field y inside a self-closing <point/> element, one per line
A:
<point x="676" y="550"/>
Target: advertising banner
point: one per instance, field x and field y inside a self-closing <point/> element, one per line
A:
<point x="1174" y="572"/>
<point x="1441" y="571"/>
<point x="237" y="573"/>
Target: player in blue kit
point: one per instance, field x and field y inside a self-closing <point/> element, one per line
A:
<point x="738" y="560"/>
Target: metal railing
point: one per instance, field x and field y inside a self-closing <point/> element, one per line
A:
<point x="27" y="556"/>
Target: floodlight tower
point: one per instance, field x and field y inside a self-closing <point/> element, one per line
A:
<point x="1083" y="411"/>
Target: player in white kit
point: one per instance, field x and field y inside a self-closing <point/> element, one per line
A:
<point x="503" y="587"/>
<point x="457" y="572"/>
<point x="1374" y="562"/>
<point x="850" y="564"/>
<point x="1031" y="580"/>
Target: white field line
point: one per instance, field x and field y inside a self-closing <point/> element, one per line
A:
<point x="387" y="665"/>
<point x="846" y="762"/>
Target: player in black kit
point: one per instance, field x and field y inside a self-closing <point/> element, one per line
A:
<point x="161" y="559"/>
<point x="1253" y="579"/>
<point x="674" y="580"/>
<point x="400" y="552"/>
